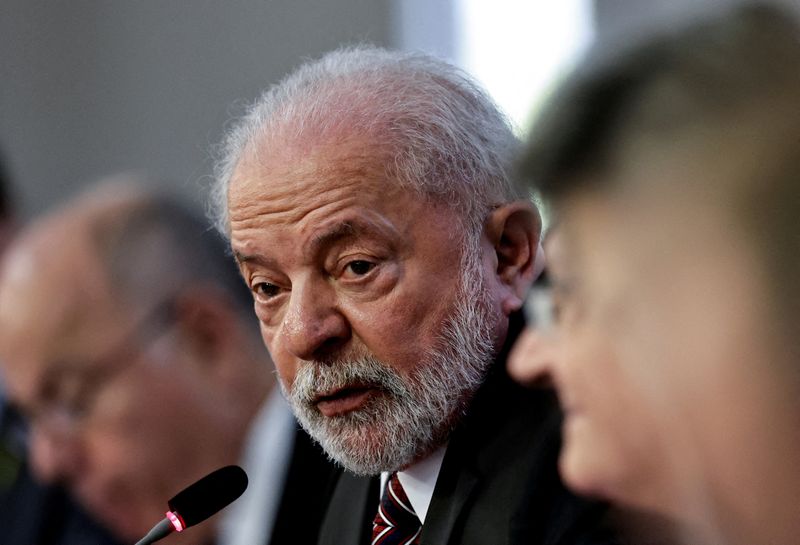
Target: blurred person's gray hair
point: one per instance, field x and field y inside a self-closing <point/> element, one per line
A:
<point x="439" y="133"/>
<point x="153" y="246"/>
<point x="722" y="93"/>
<point x="695" y="76"/>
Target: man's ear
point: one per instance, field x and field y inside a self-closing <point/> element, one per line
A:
<point x="514" y="230"/>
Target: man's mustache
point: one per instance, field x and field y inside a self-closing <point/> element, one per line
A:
<point x="320" y="379"/>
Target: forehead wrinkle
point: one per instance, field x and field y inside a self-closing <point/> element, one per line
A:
<point x="281" y="195"/>
<point x="331" y="235"/>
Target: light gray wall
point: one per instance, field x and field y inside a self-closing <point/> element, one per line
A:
<point x="89" y="88"/>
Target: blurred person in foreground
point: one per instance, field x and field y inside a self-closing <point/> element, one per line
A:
<point x="127" y="344"/>
<point x="673" y="169"/>
<point x="369" y="205"/>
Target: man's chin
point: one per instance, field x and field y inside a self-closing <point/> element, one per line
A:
<point x="361" y="449"/>
<point x="370" y="439"/>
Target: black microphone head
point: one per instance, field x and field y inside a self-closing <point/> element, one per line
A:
<point x="202" y="499"/>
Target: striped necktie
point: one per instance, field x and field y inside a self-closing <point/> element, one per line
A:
<point x="396" y="522"/>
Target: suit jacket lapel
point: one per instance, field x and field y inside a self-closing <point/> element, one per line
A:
<point x="453" y="490"/>
<point x="300" y="513"/>
<point x="351" y="510"/>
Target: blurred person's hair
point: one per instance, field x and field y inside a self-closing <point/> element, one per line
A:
<point x="153" y="246"/>
<point x="723" y="94"/>
<point x="440" y="134"/>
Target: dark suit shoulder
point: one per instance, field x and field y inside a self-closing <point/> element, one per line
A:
<point x="499" y="482"/>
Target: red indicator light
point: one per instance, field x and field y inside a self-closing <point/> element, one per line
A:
<point x="176" y="521"/>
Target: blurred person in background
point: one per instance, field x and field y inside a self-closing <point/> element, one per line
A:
<point x="369" y="204"/>
<point x="128" y="346"/>
<point x="673" y="170"/>
<point x="31" y="513"/>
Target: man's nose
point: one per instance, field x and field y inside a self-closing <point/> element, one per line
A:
<point x="55" y="455"/>
<point x="313" y="327"/>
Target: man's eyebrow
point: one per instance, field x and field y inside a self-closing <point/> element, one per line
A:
<point x="344" y="230"/>
<point x="242" y="258"/>
<point x="324" y="239"/>
<point x="338" y="232"/>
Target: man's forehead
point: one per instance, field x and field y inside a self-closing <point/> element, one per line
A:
<point x="292" y="185"/>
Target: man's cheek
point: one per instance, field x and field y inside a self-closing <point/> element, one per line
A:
<point x="267" y="335"/>
<point x="285" y="364"/>
<point x="286" y="379"/>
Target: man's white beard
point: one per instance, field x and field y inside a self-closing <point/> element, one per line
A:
<point x="409" y="417"/>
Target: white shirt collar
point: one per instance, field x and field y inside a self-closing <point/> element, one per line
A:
<point x="419" y="480"/>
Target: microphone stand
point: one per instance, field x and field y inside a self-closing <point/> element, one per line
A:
<point x="159" y="531"/>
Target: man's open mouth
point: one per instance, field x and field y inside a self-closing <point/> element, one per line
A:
<point x="343" y="400"/>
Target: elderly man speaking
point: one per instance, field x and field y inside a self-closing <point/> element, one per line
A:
<point x="369" y="207"/>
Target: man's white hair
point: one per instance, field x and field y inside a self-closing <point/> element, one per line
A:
<point x="437" y="131"/>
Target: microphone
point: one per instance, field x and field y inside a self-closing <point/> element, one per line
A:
<point x="198" y="501"/>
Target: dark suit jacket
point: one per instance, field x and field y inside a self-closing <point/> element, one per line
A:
<point x="306" y="493"/>
<point x="31" y="514"/>
<point x="498" y="484"/>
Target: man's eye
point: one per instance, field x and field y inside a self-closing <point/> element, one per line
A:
<point x="360" y="267"/>
<point x="265" y="289"/>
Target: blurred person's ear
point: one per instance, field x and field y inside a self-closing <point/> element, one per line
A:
<point x="211" y="331"/>
<point x="514" y="229"/>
